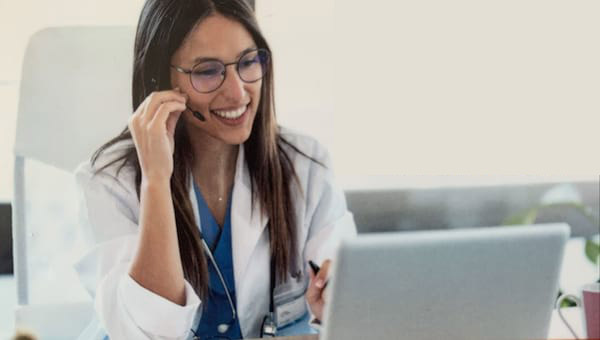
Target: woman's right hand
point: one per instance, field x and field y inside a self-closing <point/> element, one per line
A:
<point x="152" y="128"/>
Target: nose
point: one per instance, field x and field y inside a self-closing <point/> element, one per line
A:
<point x="233" y="86"/>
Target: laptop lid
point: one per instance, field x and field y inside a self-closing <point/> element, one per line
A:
<point x="484" y="283"/>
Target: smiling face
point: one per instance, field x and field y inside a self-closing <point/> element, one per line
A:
<point x="230" y="110"/>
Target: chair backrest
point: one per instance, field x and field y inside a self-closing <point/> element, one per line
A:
<point x="75" y="94"/>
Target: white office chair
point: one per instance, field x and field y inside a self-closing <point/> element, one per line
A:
<point x="75" y="94"/>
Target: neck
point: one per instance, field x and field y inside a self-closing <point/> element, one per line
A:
<point x="214" y="163"/>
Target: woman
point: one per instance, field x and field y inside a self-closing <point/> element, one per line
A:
<point x="203" y="212"/>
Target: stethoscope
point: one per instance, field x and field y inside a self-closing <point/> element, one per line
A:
<point x="268" y="327"/>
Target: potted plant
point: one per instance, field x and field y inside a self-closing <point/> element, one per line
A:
<point x="563" y="196"/>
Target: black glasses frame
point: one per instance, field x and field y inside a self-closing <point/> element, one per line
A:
<point x="225" y="65"/>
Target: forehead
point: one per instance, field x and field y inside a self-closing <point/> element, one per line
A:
<point x="215" y="37"/>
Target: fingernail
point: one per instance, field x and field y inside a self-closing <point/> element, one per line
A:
<point x="319" y="283"/>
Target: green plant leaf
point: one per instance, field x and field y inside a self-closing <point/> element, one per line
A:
<point x="527" y="217"/>
<point x="592" y="251"/>
<point x="567" y="303"/>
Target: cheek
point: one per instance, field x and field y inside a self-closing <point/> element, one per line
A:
<point x="255" y="92"/>
<point x="200" y="102"/>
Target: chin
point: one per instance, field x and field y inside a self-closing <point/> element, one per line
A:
<point x="236" y="138"/>
<point x="239" y="135"/>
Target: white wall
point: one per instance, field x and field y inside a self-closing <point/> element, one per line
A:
<point x="451" y="88"/>
<point x="300" y="35"/>
<point x="468" y="87"/>
<point x="493" y="89"/>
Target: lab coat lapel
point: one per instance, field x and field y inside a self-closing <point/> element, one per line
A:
<point x="247" y="225"/>
<point x="247" y="222"/>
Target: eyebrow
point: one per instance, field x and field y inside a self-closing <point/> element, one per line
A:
<point x="198" y="60"/>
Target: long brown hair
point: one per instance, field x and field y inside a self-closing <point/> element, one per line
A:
<point x="162" y="27"/>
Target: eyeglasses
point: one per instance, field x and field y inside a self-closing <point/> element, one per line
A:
<point x="207" y="76"/>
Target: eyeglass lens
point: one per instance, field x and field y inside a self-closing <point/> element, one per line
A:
<point x="209" y="75"/>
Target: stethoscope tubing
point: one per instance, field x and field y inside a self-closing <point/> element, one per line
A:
<point x="271" y="326"/>
<point x="214" y="263"/>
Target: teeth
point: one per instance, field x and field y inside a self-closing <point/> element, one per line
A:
<point x="231" y="114"/>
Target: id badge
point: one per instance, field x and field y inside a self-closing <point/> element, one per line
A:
<point x="290" y="303"/>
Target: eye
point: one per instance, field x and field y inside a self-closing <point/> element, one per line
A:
<point x="209" y="72"/>
<point x="249" y="61"/>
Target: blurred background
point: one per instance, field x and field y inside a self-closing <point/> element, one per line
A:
<point x="437" y="115"/>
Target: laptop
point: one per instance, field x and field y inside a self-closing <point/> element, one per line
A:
<point x="484" y="283"/>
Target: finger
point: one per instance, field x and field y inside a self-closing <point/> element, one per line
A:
<point x="135" y="119"/>
<point x="156" y="99"/>
<point x="165" y="110"/>
<point x="172" y="121"/>
<point x="313" y="293"/>
<point x="323" y="274"/>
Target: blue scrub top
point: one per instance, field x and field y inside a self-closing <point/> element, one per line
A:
<point x="216" y="309"/>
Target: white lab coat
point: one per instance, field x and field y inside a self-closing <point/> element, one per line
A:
<point x="110" y="215"/>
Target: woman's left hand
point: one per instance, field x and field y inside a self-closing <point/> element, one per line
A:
<point x="315" y="294"/>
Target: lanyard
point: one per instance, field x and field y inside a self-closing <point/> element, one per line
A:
<point x="269" y="327"/>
